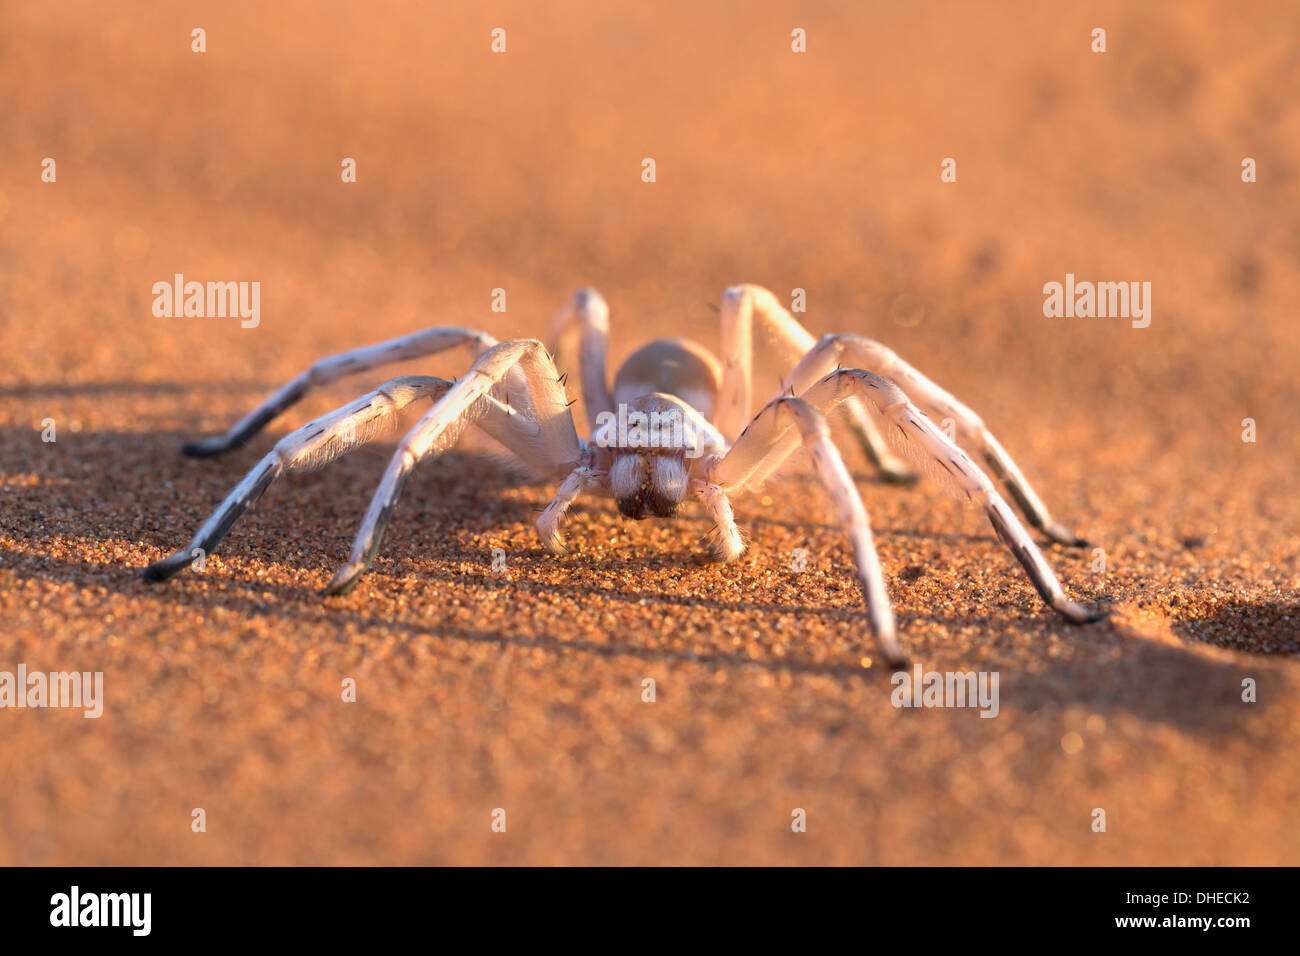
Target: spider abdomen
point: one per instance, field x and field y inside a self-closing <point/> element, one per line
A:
<point x="675" y="367"/>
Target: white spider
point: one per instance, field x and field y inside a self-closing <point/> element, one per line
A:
<point x="515" y="394"/>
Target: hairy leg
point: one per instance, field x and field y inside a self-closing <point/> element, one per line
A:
<point x="857" y="352"/>
<point x="740" y="306"/>
<point x="427" y="342"/>
<point x="914" y="427"/>
<point x="805" y="421"/>
<point x="443" y="425"/>
<point x="552" y="516"/>
<point x="312" y="446"/>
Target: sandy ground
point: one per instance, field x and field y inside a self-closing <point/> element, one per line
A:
<point x="479" y="690"/>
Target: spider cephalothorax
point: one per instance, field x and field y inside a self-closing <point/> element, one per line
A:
<point x="676" y="424"/>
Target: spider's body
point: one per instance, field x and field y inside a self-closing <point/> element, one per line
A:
<point x="677" y="367"/>
<point x="652" y="482"/>
<point x="676" y="424"/>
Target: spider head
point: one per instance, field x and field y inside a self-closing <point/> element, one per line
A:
<point x="648" y="484"/>
<point x="649" y="442"/>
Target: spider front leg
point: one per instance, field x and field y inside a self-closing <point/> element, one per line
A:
<point x="427" y="342"/>
<point x="741" y="304"/>
<point x="312" y="446"/>
<point x="765" y="436"/>
<point x="552" y="516"/>
<point x="465" y="403"/>
<point x="914" y="427"/>
<point x="855" y="351"/>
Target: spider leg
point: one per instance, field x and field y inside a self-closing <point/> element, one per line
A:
<point x="740" y="305"/>
<point x="809" y="425"/>
<point x="311" y="446"/>
<point x="427" y="342"/>
<point x="728" y="543"/>
<point x="552" y="516"/>
<point x="443" y="424"/>
<point x="854" y="350"/>
<point x="523" y="437"/>
<point x="520" y="435"/>
<point x="587" y="308"/>
<point x="913" y="425"/>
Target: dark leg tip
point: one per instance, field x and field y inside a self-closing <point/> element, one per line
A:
<point x="900" y="478"/>
<point x="168" y="567"/>
<point x="1078" y="614"/>
<point x="205" y="447"/>
<point x="343" y="582"/>
<point x="892" y="652"/>
<point x="1063" y="535"/>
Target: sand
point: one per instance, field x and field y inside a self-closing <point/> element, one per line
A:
<point x="522" y="689"/>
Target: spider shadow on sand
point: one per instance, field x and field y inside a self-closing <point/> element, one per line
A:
<point x="1111" y="671"/>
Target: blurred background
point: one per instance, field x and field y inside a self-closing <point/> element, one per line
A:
<point x="522" y="171"/>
